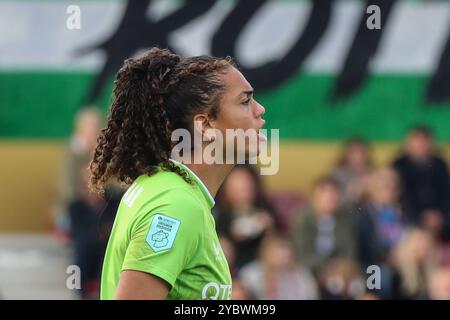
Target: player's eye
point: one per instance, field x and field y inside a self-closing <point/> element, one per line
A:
<point x="246" y="101"/>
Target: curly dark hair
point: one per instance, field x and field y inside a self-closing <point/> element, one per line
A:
<point x="154" y="95"/>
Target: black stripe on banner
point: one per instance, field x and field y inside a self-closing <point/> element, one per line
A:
<point x="273" y="73"/>
<point x="137" y="31"/>
<point x="438" y="90"/>
<point x="363" y="48"/>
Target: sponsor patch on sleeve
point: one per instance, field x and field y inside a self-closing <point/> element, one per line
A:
<point x="162" y="233"/>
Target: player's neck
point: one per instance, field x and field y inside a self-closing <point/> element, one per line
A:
<point x="212" y="175"/>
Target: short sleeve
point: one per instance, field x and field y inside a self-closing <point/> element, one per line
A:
<point x="164" y="237"/>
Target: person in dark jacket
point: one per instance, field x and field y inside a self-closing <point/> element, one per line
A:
<point x="425" y="178"/>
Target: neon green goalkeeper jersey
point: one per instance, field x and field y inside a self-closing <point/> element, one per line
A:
<point x="164" y="227"/>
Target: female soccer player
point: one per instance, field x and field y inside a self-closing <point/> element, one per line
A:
<point x="164" y="243"/>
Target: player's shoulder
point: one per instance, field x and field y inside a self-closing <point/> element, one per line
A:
<point x="167" y="191"/>
<point x="164" y="193"/>
<point x="164" y="179"/>
<point x="181" y="197"/>
<point x="152" y="188"/>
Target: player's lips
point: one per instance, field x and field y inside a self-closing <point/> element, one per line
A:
<point x="262" y="125"/>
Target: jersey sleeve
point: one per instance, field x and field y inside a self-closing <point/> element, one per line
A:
<point x="164" y="238"/>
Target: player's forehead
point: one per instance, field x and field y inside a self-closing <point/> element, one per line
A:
<point x="236" y="83"/>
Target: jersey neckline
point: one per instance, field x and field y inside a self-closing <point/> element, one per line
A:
<point x="200" y="183"/>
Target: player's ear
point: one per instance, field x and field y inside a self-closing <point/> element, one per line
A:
<point x="203" y="125"/>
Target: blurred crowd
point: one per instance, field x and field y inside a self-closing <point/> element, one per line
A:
<point x="364" y="232"/>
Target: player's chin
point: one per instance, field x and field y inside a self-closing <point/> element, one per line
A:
<point x="252" y="152"/>
<point x="257" y="146"/>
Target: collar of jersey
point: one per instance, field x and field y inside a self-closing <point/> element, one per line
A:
<point x="200" y="183"/>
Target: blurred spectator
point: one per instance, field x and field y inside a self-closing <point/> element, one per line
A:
<point x="76" y="159"/>
<point x="242" y="213"/>
<point x="239" y="291"/>
<point x="87" y="217"/>
<point x="414" y="257"/>
<point x="275" y="275"/>
<point x="341" y="279"/>
<point x="285" y="203"/>
<point x="425" y="179"/>
<point x="230" y="253"/>
<point x="432" y="221"/>
<point x="322" y="230"/>
<point x="84" y="213"/>
<point x="368" y="296"/>
<point x="379" y="219"/>
<point x="439" y="284"/>
<point x="352" y="170"/>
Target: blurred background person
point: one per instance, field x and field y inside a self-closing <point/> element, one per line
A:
<point x="433" y="221"/>
<point x="341" y="279"/>
<point x="85" y="217"/>
<point x="239" y="291"/>
<point x="425" y="180"/>
<point x="276" y="275"/>
<point x="380" y="218"/>
<point x="78" y="153"/>
<point x="438" y="287"/>
<point x="242" y="213"/>
<point x="352" y="170"/>
<point x="368" y="296"/>
<point x="380" y="224"/>
<point x="84" y="213"/>
<point x="322" y="229"/>
<point x="414" y="259"/>
<point x="230" y="253"/>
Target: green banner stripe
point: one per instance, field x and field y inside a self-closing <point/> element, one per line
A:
<point x="42" y="105"/>
<point x="384" y="107"/>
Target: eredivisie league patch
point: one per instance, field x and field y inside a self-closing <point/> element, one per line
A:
<point x="162" y="233"/>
